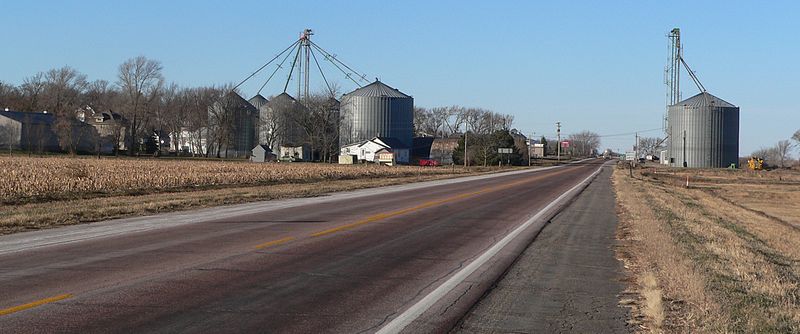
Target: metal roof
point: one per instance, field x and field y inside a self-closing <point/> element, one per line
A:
<point x="257" y="101"/>
<point x="378" y="89"/>
<point x="29" y="117"/>
<point x="705" y="99"/>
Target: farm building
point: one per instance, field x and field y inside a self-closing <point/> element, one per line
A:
<point x="262" y="153"/>
<point x="112" y="128"/>
<point x="233" y="120"/>
<point x="37" y="132"/>
<point x="368" y="150"/>
<point x="295" y="153"/>
<point x="703" y="132"/>
<point x="442" y="150"/>
<point x="376" y="110"/>
<point x="30" y="131"/>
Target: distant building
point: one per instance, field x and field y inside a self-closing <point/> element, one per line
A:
<point x="262" y="153"/>
<point x="234" y="121"/>
<point x="368" y="150"/>
<point x="295" y="153"/>
<point x="194" y="142"/>
<point x="29" y="131"/>
<point x="442" y="149"/>
<point x="112" y="129"/>
<point x="537" y="150"/>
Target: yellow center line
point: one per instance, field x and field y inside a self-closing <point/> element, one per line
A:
<point x="34" y="304"/>
<point x="274" y="242"/>
<point x="382" y="216"/>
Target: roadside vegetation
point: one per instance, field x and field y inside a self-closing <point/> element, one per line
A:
<point x="44" y="192"/>
<point x="718" y="256"/>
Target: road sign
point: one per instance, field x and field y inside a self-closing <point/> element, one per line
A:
<point x="504" y="150"/>
<point x="565" y="144"/>
<point x="630" y="156"/>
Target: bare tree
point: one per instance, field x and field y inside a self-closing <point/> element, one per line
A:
<point x="584" y="143"/>
<point x="62" y="94"/>
<point x="650" y="145"/>
<point x="782" y="149"/>
<point x="32" y="88"/>
<point x="140" y="79"/>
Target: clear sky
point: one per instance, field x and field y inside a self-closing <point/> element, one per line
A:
<point x="592" y="65"/>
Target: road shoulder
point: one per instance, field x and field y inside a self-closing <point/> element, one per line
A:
<point x="567" y="280"/>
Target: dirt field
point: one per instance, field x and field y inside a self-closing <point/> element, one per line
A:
<point x="47" y="192"/>
<point x="719" y="256"/>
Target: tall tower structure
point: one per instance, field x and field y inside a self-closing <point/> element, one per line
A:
<point x="672" y="72"/>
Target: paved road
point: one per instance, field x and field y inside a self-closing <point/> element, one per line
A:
<point x="411" y="258"/>
<point x="567" y="281"/>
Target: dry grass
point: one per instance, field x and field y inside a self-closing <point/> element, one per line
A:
<point x="728" y="262"/>
<point x="49" y="192"/>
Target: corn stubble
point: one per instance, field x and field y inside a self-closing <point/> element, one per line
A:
<point x="32" y="180"/>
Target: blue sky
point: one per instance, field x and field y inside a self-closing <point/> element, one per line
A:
<point x="591" y="65"/>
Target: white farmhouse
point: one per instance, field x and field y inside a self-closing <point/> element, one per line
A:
<point x="367" y="150"/>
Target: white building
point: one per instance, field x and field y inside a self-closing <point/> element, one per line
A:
<point x="367" y="150"/>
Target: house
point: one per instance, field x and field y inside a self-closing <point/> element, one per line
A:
<point x="262" y="153"/>
<point x="368" y="150"/>
<point x="112" y="129"/>
<point x="295" y="153"/>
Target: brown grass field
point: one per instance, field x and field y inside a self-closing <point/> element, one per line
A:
<point x="44" y="192"/>
<point x="719" y="256"/>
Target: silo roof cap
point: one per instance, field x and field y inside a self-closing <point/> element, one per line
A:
<point x="378" y="89"/>
<point x="705" y="99"/>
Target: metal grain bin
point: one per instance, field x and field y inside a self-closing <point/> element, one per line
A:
<point x="278" y="122"/>
<point x="703" y="132"/>
<point x="376" y="110"/>
<point x="258" y="101"/>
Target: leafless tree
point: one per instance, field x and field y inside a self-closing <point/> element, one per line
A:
<point x="139" y="79"/>
<point x="62" y="94"/>
<point x="320" y="122"/>
<point x="650" y="145"/>
<point x="584" y="143"/>
<point x="782" y="149"/>
<point x="32" y="88"/>
<point x="10" y="97"/>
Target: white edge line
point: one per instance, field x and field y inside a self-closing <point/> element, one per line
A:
<point x="412" y="313"/>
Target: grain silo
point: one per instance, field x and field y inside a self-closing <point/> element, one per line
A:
<point x="703" y="132"/>
<point x="376" y="110"/>
<point x="279" y="122"/>
<point x="258" y="101"/>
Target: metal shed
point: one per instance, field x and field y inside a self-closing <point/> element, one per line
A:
<point x="703" y="132"/>
<point x="376" y="110"/>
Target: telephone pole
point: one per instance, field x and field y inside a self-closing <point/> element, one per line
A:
<point x="558" y="145"/>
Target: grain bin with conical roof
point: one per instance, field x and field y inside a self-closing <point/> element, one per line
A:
<point x="376" y="110"/>
<point x="279" y="122"/>
<point x="703" y="132"/>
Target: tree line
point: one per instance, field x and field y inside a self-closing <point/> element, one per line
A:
<point x="149" y="105"/>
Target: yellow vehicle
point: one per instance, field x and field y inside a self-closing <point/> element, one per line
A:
<point x="755" y="163"/>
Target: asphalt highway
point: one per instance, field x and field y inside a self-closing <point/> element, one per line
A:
<point x="408" y="258"/>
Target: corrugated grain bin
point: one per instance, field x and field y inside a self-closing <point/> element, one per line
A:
<point x="703" y="132"/>
<point x="376" y="110"/>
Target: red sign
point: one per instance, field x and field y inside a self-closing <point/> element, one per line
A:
<point x="565" y="144"/>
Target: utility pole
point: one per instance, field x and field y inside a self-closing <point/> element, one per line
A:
<point x="530" y="145"/>
<point x="465" y="147"/>
<point x="636" y="147"/>
<point x="558" y="145"/>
